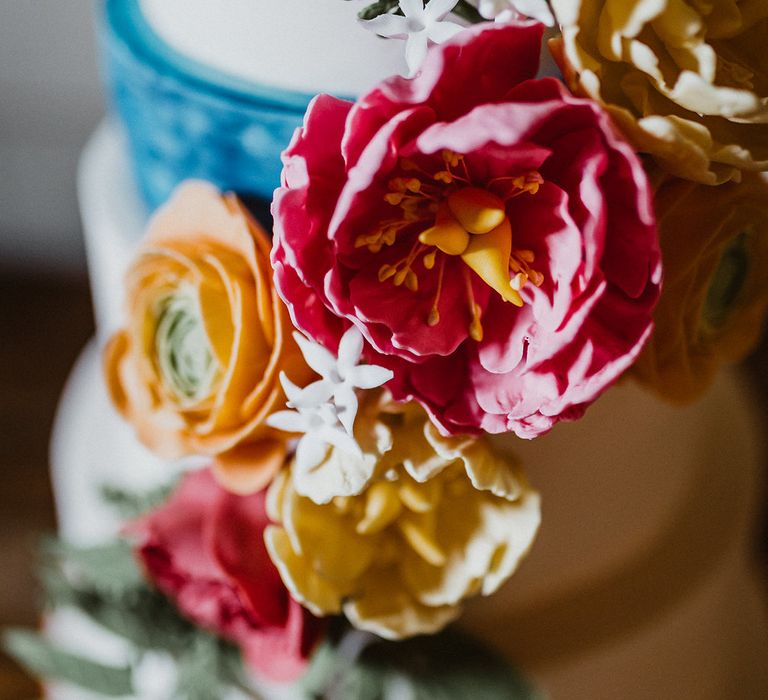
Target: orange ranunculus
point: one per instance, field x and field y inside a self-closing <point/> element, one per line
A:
<point x="196" y="368"/>
<point x="714" y="243"/>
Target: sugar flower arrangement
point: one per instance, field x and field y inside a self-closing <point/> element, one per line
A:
<point x="471" y="250"/>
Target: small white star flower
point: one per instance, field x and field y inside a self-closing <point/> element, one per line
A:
<point x="504" y="10"/>
<point x="320" y="429"/>
<point x="420" y="25"/>
<point x="340" y="376"/>
<point x="325" y="410"/>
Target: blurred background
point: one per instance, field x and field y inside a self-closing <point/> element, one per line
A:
<point x="51" y="102"/>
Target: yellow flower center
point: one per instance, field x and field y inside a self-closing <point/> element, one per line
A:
<point x="452" y="217"/>
<point x="404" y="505"/>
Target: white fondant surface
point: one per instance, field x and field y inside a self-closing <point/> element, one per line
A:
<point x="113" y="220"/>
<point x="640" y="575"/>
<point x="305" y="45"/>
<point x="93" y="447"/>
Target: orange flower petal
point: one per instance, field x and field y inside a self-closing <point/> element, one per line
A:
<point x="251" y="467"/>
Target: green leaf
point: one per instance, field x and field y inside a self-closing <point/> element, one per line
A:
<point x="463" y="9"/>
<point x="231" y="669"/>
<point x="451" y="666"/>
<point x="448" y="666"/>
<point x="110" y="568"/>
<point x="209" y="665"/>
<point x="130" y="505"/>
<point x="378" y="8"/>
<point x="199" y="669"/>
<point x="106" y="584"/>
<point x="58" y="590"/>
<point x="362" y="682"/>
<point x="45" y="660"/>
<point x="323" y="667"/>
<point x="145" y="618"/>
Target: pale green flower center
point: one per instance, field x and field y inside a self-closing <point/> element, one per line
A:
<point x="184" y="357"/>
<point x="727" y="282"/>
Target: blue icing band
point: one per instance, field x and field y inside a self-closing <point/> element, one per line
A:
<point x="187" y="120"/>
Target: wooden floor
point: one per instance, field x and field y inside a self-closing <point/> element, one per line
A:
<point x="45" y="323"/>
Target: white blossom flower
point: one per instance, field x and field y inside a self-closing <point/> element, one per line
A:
<point x="504" y="10"/>
<point x="325" y="410"/>
<point x="320" y="428"/>
<point x="420" y="25"/>
<point x="340" y="376"/>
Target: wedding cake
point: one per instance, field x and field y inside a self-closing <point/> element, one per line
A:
<point x="642" y="581"/>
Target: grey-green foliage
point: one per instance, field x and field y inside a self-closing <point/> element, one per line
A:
<point x="448" y="666"/>
<point x="106" y="584"/>
<point x="377" y="8"/>
<point x="46" y="660"/>
<point x="130" y="504"/>
<point x="463" y="9"/>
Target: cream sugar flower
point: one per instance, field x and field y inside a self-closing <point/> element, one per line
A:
<point x="325" y="413"/>
<point x="419" y="25"/>
<point x="394" y="557"/>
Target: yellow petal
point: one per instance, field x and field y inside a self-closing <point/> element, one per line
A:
<point x="423" y="542"/>
<point x="217" y="316"/>
<point x="313" y="591"/>
<point x="320" y="535"/>
<point x="477" y="210"/>
<point x="497" y="472"/>
<point x="382" y="506"/>
<point x="447" y="234"/>
<point x="489" y="255"/>
<point x="387" y="608"/>
<point x="276" y="495"/>
<point x="415" y="498"/>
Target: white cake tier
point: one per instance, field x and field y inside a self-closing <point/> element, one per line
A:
<point x="305" y="45"/>
<point x="640" y="584"/>
<point x="113" y="220"/>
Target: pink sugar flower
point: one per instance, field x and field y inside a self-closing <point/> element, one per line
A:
<point x="491" y="236"/>
<point x="205" y="549"/>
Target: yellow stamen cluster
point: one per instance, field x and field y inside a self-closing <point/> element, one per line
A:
<point x="528" y="183"/>
<point x="456" y="218"/>
<point x="378" y="239"/>
<point x="401" y="272"/>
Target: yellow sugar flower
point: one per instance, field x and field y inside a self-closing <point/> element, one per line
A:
<point x="687" y="80"/>
<point x="441" y="519"/>
<point x="714" y="243"/>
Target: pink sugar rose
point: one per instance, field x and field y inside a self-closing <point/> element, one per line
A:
<point x="205" y="549"/>
<point x="491" y="235"/>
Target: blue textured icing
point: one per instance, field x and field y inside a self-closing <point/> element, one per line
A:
<point x="185" y="119"/>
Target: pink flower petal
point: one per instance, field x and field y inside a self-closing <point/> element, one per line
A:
<point x="589" y="230"/>
<point x="204" y="548"/>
